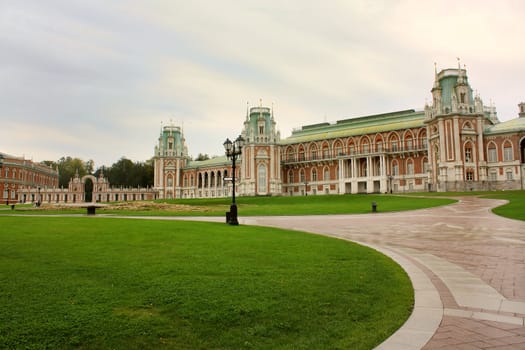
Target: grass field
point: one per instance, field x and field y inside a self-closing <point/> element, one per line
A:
<point x="107" y="283"/>
<point x="515" y="209"/>
<point x="253" y="206"/>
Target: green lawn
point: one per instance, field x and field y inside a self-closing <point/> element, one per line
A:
<point x="106" y="283"/>
<point x="253" y="206"/>
<point x="515" y="209"/>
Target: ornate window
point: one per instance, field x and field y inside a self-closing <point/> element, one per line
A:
<point x="326" y="152"/>
<point x="409" y="144"/>
<point x="326" y="176"/>
<point x="313" y="152"/>
<point x="290" y="176"/>
<point x="425" y="166"/>
<point x="468" y="153"/>
<point x="492" y="155"/>
<point x="395" y="168"/>
<point x="301" y="176"/>
<point x="393" y="145"/>
<point x="507" y="152"/>
<point x="410" y="167"/>
<point x="314" y="174"/>
<point x="301" y="154"/>
<point x="261" y="179"/>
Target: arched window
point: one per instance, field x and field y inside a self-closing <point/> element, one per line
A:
<point x="326" y="151"/>
<point x="351" y="148"/>
<point x="326" y="175"/>
<point x="409" y="143"/>
<point x="379" y="145"/>
<point x="410" y="167"/>
<point x="492" y="153"/>
<point x="507" y="152"/>
<point x="338" y="149"/>
<point x="170" y="181"/>
<point x="313" y="152"/>
<point x="425" y="165"/>
<point x="290" y="154"/>
<point x="301" y="153"/>
<point x="261" y="178"/>
<point x="365" y="147"/>
<point x="395" y="168"/>
<point x="302" y="178"/>
<point x="314" y="174"/>
<point x="394" y="142"/>
<point x="468" y="152"/>
<point x="290" y="176"/>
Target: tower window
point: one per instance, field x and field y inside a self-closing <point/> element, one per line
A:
<point x="468" y="154"/>
<point x="261" y="129"/>
<point x="462" y="97"/>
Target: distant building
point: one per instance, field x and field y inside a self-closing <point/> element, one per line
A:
<point x="87" y="188"/>
<point x="18" y="174"/>
<point x="455" y="144"/>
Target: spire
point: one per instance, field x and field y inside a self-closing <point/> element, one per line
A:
<point x="272" y="111"/>
<point x="436" y="80"/>
<point x="247" y="111"/>
<point x="460" y="73"/>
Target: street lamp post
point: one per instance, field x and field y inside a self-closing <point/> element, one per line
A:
<point x="233" y="150"/>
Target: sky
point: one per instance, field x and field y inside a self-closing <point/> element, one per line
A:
<point x="96" y="79"/>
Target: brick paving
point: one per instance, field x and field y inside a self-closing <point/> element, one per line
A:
<point x="474" y="259"/>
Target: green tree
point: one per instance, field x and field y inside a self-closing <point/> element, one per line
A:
<point x="128" y="173"/>
<point x="67" y="168"/>
<point x="202" y="157"/>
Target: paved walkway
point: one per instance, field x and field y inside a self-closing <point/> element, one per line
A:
<point x="467" y="266"/>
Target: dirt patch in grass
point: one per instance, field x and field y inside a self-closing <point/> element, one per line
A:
<point x="131" y="206"/>
<point x="153" y="206"/>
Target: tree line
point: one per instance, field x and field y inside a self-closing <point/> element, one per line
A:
<point x="124" y="172"/>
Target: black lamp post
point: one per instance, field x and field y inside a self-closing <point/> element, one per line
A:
<point x="233" y="149"/>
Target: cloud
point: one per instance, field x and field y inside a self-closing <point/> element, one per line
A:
<point x="106" y="74"/>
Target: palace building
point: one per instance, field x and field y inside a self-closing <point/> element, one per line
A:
<point x="454" y="144"/>
<point x="18" y="174"/>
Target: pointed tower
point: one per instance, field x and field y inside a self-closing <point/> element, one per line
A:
<point x="261" y="165"/>
<point x="171" y="155"/>
<point x="455" y="123"/>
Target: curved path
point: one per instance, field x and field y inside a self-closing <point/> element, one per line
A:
<point x="467" y="266"/>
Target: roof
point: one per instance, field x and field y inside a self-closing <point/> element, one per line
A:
<point x="513" y="125"/>
<point x="358" y="126"/>
<point x="216" y="161"/>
